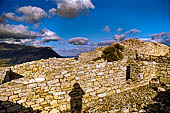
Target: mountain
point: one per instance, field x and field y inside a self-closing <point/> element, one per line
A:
<point x="11" y="54"/>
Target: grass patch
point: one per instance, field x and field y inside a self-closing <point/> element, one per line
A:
<point x="113" y="53"/>
<point x="4" y="61"/>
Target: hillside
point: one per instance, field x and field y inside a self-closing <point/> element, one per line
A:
<point x="11" y="54"/>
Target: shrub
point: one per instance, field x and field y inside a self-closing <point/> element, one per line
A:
<point x="113" y="53"/>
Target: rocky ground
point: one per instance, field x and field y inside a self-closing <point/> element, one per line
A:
<point x="145" y="99"/>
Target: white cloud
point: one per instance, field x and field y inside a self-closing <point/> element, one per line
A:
<point x="20" y="34"/>
<point x="119" y="37"/>
<point x="74" y="51"/>
<point x="106" y="29"/>
<point x="126" y="35"/>
<point x="78" y="41"/>
<point x="12" y="16"/>
<point x="133" y="31"/>
<point x="119" y="30"/>
<point x="162" y="37"/>
<point x="52" y="12"/>
<point x="16" y="32"/>
<point x="103" y="43"/>
<point x="48" y="35"/>
<point x="30" y="14"/>
<point x="72" y="8"/>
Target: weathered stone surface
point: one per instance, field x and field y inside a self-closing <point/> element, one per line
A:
<point x="59" y="93"/>
<point x="101" y="95"/>
<point x="54" y="103"/>
<point x="39" y="79"/>
<point x="54" y="111"/>
<point x="100" y="73"/>
<point x="40" y="100"/>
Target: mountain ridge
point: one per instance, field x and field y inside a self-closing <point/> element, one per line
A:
<point x="11" y="54"/>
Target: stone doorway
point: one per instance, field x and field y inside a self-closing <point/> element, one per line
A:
<point x="128" y="73"/>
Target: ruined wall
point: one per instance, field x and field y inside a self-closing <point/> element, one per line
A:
<point x="47" y="83"/>
<point x="131" y="48"/>
<point x="3" y="71"/>
<point x="162" y="66"/>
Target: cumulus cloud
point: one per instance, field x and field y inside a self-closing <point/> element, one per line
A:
<point x="11" y="16"/>
<point x="52" y="12"/>
<point x="16" y="31"/>
<point x="119" y="30"/>
<point x="30" y="14"/>
<point x="119" y="37"/>
<point x="147" y="39"/>
<point x="48" y="35"/>
<point x="74" y="51"/>
<point x="162" y="37"/>
<point x="106" y="29"/>
<point x="133" y="31"/>
<point x="103" y="43"/>
<point x="126" y="35"/>
<point x="78" y="41"/>
<point x="72" y="8"/>
<point x="17" y="41"/>
<point x="17" y="34"/>
<point x="20" y="34"/>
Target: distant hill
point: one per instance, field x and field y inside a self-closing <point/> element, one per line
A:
<point x="11" y="54"/>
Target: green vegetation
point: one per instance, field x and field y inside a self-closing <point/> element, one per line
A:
<point x="3" y="62"/>
<point x="113" y="53"/>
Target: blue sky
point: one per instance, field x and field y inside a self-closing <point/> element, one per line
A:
<point x="80" y="32"/>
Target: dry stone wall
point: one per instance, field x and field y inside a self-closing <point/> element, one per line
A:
<point x="3" y="73"/>
<point x="131" y="48"/>
<point x="47" y="83"/>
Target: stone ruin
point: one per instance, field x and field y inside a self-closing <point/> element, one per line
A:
<point x="46" y="84"/>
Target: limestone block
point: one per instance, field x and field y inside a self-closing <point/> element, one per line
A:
<point x="63" y="107"/>
<point x="40" y="100"/>
<point x="67" y="75"/>
<point x="32" y="86"/>
<point x="54" y="111"/>
<point x="118" y="91"/>
<point x="13" y="97"/>
<point x="59" y="93"/>
<point x="39" y="79"/>
<point x="6" y="94"/>
<point x="100" y="73"/>
<point x="21" y="101"/>
<point x="18" y="91"/>
<point x="101" y="95"/>
<point x="63" y="73"/>
<point x="53" y="82"/>
<point x="3" y="98"/>
<point x="54" y="103"/>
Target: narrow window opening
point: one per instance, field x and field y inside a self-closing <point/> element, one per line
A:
<point x="128" y="73"/>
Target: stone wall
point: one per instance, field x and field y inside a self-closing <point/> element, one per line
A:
<point x="131" y="48"/>
<point x="3" y="71"/>
<point x="151" y="58"/>
<point x="47" y="83"/>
